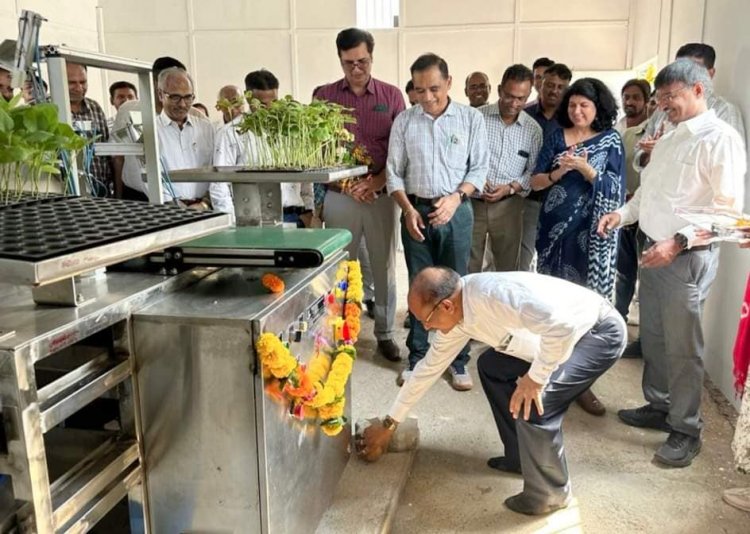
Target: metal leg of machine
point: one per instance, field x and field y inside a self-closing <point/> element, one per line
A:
<point x="66" y="477"/>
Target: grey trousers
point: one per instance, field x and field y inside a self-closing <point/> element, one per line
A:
<point x="498" y="226"/>
<point x="537" y="444"/>
<point x="377" y="223"/>
<point x="531" y="209"/>
<point x="671" y="300"/>
<point x="364" y="259"/>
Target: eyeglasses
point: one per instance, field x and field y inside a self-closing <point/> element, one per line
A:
<point x="669" y="97"/>
<point x="175" y="99"/>
<point x="360" y="63"/>
<point x="432" y="312"/>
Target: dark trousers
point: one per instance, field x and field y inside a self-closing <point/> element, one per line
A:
<point x="537" y="444"/>
<point x="128" y="193"/>
<point x="629" y="251"/>
<point x="448" y="245"/>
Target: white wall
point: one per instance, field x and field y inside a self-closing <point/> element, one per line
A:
<point x="725" y="28"/>
<point x="70" y="22"/>
<point x="221" y="41"/>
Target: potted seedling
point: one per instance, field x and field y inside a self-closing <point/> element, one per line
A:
<point x="288" y="135"/>
<point x="34" y="145"/>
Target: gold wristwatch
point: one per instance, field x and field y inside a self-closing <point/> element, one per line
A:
<point x="389" y="423"/>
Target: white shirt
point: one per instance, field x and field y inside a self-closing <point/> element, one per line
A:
<point x="724" y="110"/>
<point x="190" y="147"/>
<point x="232" y="149"/>
<point x="699" y="163"/>
<point x="530" y="316"/>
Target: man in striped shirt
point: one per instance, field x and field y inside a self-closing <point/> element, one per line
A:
<point x="514" y="139"/>
<point x="437" y="158"/>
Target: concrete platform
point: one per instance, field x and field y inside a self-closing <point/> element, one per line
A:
<point x="616" y="486"/>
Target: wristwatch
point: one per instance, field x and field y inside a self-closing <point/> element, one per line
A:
<point x="389" y="423"/>
<point x="512" y="189"/>
<point x="681" y="240"/>
<point x="462" y="195"/>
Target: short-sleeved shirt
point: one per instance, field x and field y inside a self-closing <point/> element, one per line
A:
<point x="513" y="148"/>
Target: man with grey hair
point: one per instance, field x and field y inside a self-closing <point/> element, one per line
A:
<point x="186" y="142"/>
<point x="231" y="103"/>
<point x="701" y="162"/>
<point x="550" y="340"/>
<point x="659" y="124"/>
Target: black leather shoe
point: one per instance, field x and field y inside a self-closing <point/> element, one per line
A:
<point x="633" y="350"/>
<point x="679" y="450"/>
<point x="645" y="417"/>
<point x="370" y="307"/>
<point x="524" y="505"/>
<point x="501" y="463"/>
<point x="389" y="350"/>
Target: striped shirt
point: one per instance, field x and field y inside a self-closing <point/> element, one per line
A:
<point x="430" y="157"/>
<point x="513" y="148"/>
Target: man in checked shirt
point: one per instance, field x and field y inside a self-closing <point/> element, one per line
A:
<point x="513" y="140"/>
<point x="437" y="158"/>
<point x="88" y="117"/>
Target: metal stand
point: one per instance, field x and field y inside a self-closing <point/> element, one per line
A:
<point x="62" y="293"/>
<point x="257" y="194"/>
<point x="58" y="56"/>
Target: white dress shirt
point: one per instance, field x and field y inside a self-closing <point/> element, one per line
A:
<point x="233" y="148"/>
<point x="724" y="110"/>
<point x="530" y="316"/>
<point x="190" y="147"/>
<point x="700" y="163"/>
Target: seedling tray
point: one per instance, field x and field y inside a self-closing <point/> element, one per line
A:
<point x="49" y="239"/>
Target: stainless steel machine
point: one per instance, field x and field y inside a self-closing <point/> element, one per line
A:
<point x="222" y="455"/>
<point x="131" y="384"/>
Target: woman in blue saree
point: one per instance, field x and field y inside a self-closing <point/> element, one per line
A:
<point x="581" y="167"/>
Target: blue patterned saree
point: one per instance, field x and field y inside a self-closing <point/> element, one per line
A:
<point x="567" y="243"/>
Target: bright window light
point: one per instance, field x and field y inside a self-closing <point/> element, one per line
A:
<point x="376" y="14"/>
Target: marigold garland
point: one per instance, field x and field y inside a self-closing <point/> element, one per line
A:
<point x="272" y="283"/>
<point x="316" y="390"/>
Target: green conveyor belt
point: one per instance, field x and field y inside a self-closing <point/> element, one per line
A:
<point x="324" y="240"/>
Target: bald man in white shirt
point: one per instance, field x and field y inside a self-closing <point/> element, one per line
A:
<point x="701" y="162"/>
<point x="550" y="338"/>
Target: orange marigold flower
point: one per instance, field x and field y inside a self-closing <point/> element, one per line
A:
<point x="272" y="283"/>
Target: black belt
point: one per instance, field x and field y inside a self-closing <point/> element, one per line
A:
<point x="698" y="248"/>
<point x="296" y="210"/>
<point x="422" y="201"/>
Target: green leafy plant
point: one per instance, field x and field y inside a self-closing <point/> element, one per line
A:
<point x="290" y="135"/>
<point x="32" y="144"/>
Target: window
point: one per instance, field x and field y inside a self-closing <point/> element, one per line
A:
<point x="376" y="14"/>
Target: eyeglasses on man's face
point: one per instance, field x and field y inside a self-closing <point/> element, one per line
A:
<point x="670" y="96"/>
<point x="359" y="63"/>
<point x="176" y="99"/>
